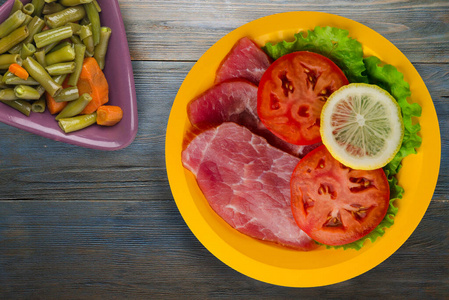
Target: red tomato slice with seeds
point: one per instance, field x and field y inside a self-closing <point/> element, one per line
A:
<point x="292" y="92"/>
<point x="334" y="204"/>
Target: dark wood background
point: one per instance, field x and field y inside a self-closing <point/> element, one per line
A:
<point x="77" y="223"/>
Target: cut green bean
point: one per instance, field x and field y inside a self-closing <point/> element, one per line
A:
<point x="12" y="23"/>
<point x="40" y="57"/>
<point x="13" y="39"/>
<point x="59" y="79"/>
<point x="16" y="6"/>
<point x="39" y="73"/>
<point x="20" y="105"/>
<point x="27" y="50"/>
<point x="70" y="14"/>
<point x="68" y="94"/>
<point x="64" y="54"/>
<point x="61" y="68"/>
<point x="38" y="106"/>
<point x="50" y="36"/>
<point x="4" y="85"/>
<point x="73" y="108"/>
<point x="8" y="59"/>
<point x="36" y="25"/>
<point x="8" y="95"/>
<point x="74" y="2"/>
<point x="75" y="27"/>
<point x="38" y="7"/>
<point x="77" y="123"/>
<point x="80" y="50"/>
<point x="60" y="45"/>
<point x="26" y="92"/>
<point x="51" y="8"/>
<point x="88" y="40"/>
<point x="11" y="79"/>
<point x="94" y="18"/>
<point x="97" y="6"/>
<point x="40" y="89"/>
<point x="76" y="40"/>
<point x="28" y="9"/>
<point x="102" y="47"/>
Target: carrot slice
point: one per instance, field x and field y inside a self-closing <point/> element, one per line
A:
<point x="53" y="106"/>
<point x="93" y="82"/>
<point x="18" y="71"/>
<point x="109" y="115"/>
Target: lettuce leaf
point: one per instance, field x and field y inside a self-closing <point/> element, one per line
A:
<point x="331" y="42"/>
<point x="391" y="80"/>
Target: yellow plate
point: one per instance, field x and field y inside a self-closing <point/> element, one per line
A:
<point x="270" y="263"/>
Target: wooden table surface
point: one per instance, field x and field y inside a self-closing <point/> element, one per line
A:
<point x="77" y="223"/>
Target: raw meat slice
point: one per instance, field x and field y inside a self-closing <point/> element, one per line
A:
<point x="235" y="101"/>
<point x="247" y="183"/>
<point x="245" y="60"/>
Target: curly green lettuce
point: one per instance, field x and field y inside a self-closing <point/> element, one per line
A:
<point x="347" y="53"/>
<point x="334" y="43"/>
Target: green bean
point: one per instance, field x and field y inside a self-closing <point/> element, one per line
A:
<point x="70" y="14"/>
<point x="13" y="39"/>
<point x="66" y="53"/>
<point x="16" y="6"/>
<point x="94" y="18"/>
<point x="97" y="6"/>
<point x="8" y="94"/>
<point x="41" y="75"/>
<point x="50" y="36"/>
<point x="26" y="92"/>
<point x="78" y="122"/>
<point x="73" y="108"/>
<point x="68" y="94"/>
<point x="75" y="27"/>
<point x="11" y="79"/>
<point x="28" y="9"/>
<point x="61" y="68"/>
<point x="73" y="2"/>
<point x="59" y="79"/>
<point x="38" y="7"/>
<point x="88" y="40"/>
<point x="38" y="106"/>
<point x="4" y="85"/>
<point x="80" y="50"/>
<point x="8" y="59"/>
<point x="60" y="45"/>
<point x="102" y="47"/>
<point x="76" y="40"/>
<point x="51" y="8"/>
<point x="40" y="57"/>
<point x="12" y="23"/>
<point x="50" y="1"/>
<point x="36" y="24"/>
<point x="40" y="89"/>
<point x="20" y="105"/>
<point x="27" y="50"/>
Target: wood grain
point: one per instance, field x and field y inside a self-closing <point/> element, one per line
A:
<point x="77" y="223"/>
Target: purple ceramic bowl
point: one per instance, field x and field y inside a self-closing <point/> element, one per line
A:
<point x="118" y="71"/>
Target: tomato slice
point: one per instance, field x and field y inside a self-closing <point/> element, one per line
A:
<point x="334" y="204"/>
<point x="292" y="92"/>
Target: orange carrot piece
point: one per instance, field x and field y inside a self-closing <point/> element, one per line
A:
<point x="109" y="115"/>
<point x="18" y="71"/>
<point x="93" y="82"/>
<point x="53" y="106"/>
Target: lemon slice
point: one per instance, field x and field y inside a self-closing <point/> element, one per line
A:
<point x="361" y="126"/>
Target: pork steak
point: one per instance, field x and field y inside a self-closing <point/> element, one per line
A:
<point x="245" y="60"/>
<point x="247" y="183"/>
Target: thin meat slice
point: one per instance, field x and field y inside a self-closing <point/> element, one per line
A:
<point x="246" y="60"/>
<point x="247" y="183"/>
<point x="234" y="101"/>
